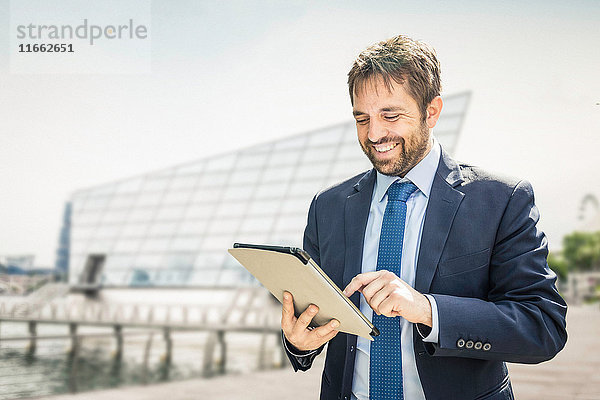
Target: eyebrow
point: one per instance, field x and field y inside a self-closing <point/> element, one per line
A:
<point x="385" y="109"/>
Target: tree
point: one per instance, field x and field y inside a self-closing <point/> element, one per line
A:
<point x="559" y="265"/>
<point x="581" y="250"/>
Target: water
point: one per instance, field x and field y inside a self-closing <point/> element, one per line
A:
<point x="24" y="376"/>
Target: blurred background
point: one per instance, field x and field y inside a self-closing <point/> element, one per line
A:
<point x="123" y="187"/>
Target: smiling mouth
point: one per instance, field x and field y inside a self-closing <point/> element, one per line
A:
<point x="384" y="148"/>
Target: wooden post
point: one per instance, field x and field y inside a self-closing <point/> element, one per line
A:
<point x="147" y="357"/>
<point x="223" y="348"/>
<point x="165" y="366"/>
<point x="74" y="342"/>
<point x="73" y="358"/>
<point x="168" y="346"/>
<point x="119" y="341"/>
<point x="32" y="340"/>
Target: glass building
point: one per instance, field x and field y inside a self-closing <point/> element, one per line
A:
<point x="172" y="227"/>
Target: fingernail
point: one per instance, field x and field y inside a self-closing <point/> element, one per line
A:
<point x="286" y="296"/>
<point x="335" y="324"/>
<point x="313" y="309"/>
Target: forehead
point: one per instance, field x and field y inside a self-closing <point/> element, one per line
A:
<point x="375" y="90"/>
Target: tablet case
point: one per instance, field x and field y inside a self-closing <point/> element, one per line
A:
<point x="291" y="269"/>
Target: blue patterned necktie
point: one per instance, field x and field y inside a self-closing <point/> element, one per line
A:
<point x="385" y="377"/>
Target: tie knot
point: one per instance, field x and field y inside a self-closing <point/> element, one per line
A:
<point x="401" y="191"/>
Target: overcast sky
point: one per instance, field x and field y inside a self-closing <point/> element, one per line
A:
<point x="225" y="75"/>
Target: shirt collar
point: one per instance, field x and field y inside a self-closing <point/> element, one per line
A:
<point x="421" y="174"/>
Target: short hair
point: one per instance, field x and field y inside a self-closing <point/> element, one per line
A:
<point x="401" y="59"/>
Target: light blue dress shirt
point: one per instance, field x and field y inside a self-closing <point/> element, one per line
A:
<point x="422" y="176"/>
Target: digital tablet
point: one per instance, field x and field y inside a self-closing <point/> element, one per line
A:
<point x="291" y="269"/>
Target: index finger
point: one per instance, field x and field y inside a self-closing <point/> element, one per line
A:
<point x="360" y="281"/>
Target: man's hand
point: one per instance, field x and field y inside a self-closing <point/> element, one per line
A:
<point x="296" y="329"/>
<point x="391" y="296"/>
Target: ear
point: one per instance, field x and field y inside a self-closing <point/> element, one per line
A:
<point x="433" y="111"/>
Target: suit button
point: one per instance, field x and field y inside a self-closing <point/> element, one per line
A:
<point x="487" y="347"/>
<point x="461" y="343"/>
<point x="469" y="344"/>
<point x="478" y="346"/>
<point x="351" y="349"/>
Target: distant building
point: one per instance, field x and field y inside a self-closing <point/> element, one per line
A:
<point x="64" y="241"/>
<point x="171" y="228"/>
<point x="17" y="264"/>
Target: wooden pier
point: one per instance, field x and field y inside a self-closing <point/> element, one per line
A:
<point x="249" y="311"/>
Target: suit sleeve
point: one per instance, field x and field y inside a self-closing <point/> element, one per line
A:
<point x="301" y="360"/>
<point x="523" y="318"/>
<point x="311" y="239"/>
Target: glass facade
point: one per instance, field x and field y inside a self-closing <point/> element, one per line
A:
<point x="173" y="227"/>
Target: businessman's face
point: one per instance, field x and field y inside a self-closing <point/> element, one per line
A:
<point x="390" y="128"/>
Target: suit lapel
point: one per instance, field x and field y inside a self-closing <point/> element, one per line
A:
<point x="356" y="215"/>
<point x="443" y="204"/>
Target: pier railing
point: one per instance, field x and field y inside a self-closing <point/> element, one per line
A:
<point x="248" y="308"/>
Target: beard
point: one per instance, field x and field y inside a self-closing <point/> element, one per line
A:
<point x="412" y="150"/>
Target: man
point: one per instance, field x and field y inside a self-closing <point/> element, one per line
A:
<point x="444" y="257"/>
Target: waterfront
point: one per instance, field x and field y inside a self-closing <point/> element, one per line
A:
<point x="571" y="375"/>
<point x="129" y="337"/>
<point x="53" y="371"/>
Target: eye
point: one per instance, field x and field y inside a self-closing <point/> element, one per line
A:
<point x="391" y="117"/>
<point x="362" y="121"/>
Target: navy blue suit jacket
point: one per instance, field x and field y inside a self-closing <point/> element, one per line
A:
<point x="481" y="257"/>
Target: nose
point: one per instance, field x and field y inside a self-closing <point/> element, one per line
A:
<point x="377" y="131"/>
